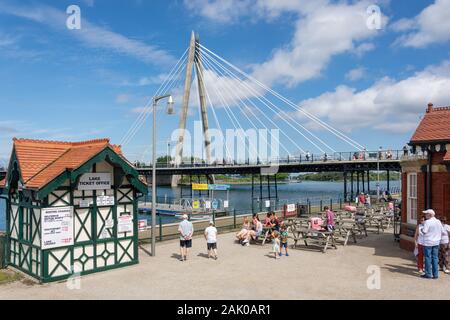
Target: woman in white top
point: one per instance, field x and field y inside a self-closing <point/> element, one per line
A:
<point x="444" y="252"/>
<point x="418" y="237"/>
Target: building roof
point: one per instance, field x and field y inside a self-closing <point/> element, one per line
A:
<point x="41" y="161"/>
<point x="434" y="126"/>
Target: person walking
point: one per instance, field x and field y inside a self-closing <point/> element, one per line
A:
<point x="211" y="240"/>
<point x="432" y="233"/>
<point x="186" y="230"/>
<point x="330" y="219"/>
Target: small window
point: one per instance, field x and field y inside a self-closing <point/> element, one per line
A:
<point x="412" y="198"/>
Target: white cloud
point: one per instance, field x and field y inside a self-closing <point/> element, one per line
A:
<point x="430" y="26"/>
<point x="123" y="98"/>
<point x="388" y="105"/>
<point x="355" y="74"/>
<point x="90" y="34"/>
<point x="322" y="30"/>
<point x="223" y="11"/>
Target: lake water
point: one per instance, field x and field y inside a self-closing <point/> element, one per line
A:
<point x="240" y="196"/>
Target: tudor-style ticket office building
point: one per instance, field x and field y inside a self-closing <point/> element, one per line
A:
<point x="71" y="208"/>
<point x="426" y="173"/>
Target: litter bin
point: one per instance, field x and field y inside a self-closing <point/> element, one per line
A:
<point x="2" y="250"/>
<point x="302" y="210"/>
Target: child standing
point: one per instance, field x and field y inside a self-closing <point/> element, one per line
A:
<point x="284" y="240"/>
<point x="211" y="240"/>
<point x="419" y="245"/>
<point x="276" y="244"/>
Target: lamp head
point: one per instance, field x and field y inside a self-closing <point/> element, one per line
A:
<point x="170" y="103"/>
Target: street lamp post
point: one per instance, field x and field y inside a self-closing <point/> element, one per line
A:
<point x="380" y="150"/>
<point x="169" y="111"/>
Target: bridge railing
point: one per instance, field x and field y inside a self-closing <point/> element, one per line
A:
<point x="382" y="155"/>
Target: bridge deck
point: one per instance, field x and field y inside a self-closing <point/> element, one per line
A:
<point x="282" y="167"/>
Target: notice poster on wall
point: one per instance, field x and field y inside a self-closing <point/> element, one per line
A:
<point x="57" y="227"/>
<point x="125" y="223"/>
<point x="290" y="208"/>
<point x="105" y="201"/>
<point x="95" y="181"/>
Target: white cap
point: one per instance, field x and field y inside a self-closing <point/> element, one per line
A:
<point x="185" y="216"/>
<point x="211" y="222"/>
<point x="430" y="212"/>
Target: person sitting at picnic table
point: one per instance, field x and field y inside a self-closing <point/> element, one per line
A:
<point x="242" y="235"/>
<point x="368" y="201"/>
<point x="275" y="222"/>
<point x="330" y="219"/>
<point x="267" y="221"/>
<point x="256" y="231"/>
<point x="361" y="199"/>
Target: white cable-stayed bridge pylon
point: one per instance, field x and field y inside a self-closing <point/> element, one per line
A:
<point x="232" y="96"/>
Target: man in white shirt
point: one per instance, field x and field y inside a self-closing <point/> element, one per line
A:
<point x="186" y="230"/>
<point x="432" y="233"/>
<point x="211" y="240"/>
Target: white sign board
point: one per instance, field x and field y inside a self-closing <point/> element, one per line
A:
<point x="225" y="204"/>
<point x="142" y="225"/>
<point x="86" y="203"/>
<point x="103" y="201"/>
<point x="267" y="203"/>
<point x="95" y="181"/>
<point x="125" y="224"/>
<point x="207" y="204"/>
<point x="57" y="227"/>
<point x="290" y="207"/>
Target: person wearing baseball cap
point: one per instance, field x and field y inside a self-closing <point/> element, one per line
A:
<point x="432" y="233"/>
<point x="186" y="230"/>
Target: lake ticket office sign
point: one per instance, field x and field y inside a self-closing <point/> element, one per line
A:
<point x="57" y="227"/>
<point x="95" y="181"/>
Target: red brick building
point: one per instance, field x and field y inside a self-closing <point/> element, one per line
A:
<point x="426" y="173"/>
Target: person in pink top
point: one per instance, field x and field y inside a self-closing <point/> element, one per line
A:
<point x="330" y="219"/>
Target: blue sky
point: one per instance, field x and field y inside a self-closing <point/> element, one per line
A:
<point x="372" y="85"/>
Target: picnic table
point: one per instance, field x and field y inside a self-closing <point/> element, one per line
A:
<point x="321" y="238"/>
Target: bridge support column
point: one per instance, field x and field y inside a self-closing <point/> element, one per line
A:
<point x="368" y="182"/>
<point x="363" y="182"/>
<point x="352" y="194"/>
<point x="357" y="182"/>
<point x="388" y="178"/>
<point x="345" y="187"/>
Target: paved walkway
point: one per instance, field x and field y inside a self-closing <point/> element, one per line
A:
<point x="250" y="273"/>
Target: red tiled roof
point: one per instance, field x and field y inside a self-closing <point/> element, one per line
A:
<point x="41" y="161"/>
<point x="435" y="126"/>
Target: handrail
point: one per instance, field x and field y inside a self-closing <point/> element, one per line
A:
<point x="359" y="156"/>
